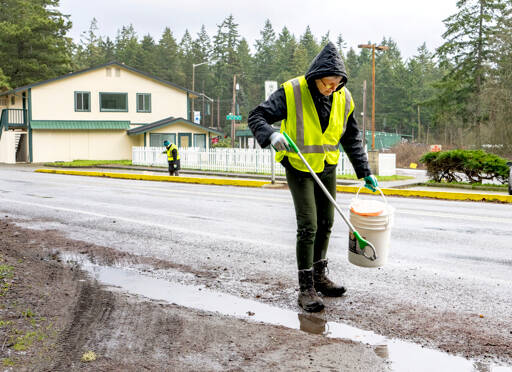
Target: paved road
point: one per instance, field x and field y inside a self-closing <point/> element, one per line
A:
<point x="451" y="258"/>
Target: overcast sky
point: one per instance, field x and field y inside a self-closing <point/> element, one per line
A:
<point x="408" y="22"/>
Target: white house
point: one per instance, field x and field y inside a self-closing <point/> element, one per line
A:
<point x="96" y="114"/>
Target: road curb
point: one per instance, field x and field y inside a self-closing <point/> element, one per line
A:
<point x="145" y="177"/>
<point x="494" y="198"/>
<point x="461" y="196"/>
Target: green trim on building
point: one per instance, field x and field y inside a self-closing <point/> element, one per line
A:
<point x="166" y="122"/>
<point x="29" y="126"/>
<point x="75" y="94"/>
<point x="188" y="107"/>
<point x="79" y="124"/>
<point x="243" y="133"/>
<point x="101" y="94"/>
<point x="146" y="102"/>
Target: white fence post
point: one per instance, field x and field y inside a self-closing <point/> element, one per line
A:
<point x="257" y="161"/>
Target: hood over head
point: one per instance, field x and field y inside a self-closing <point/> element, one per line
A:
<point x="327" y="63"/>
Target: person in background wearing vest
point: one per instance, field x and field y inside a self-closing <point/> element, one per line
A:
<point x="317" y="112"/>
<point x="173" y="158"/>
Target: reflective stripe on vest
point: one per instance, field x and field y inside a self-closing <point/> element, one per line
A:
<point x="169" y="153"/>
<point x="319" y="147"/>
<point x="300" y="121"/>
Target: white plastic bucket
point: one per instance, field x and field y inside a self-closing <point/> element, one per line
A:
<point x="374" y="226"/>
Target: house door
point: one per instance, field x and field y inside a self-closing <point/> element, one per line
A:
<point x="184" y="140"/>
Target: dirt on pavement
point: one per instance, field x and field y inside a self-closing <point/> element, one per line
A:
<point x="54" y="317"/>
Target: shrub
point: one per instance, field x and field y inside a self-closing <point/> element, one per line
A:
<point x="460" y="165"/>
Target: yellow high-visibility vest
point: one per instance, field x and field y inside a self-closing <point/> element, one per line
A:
<point x="169" y="152"/>
<point x="303" y="126"/>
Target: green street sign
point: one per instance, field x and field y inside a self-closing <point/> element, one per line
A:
<point x="233" y="117"/>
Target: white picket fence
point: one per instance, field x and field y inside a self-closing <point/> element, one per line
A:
<point x="257" y="161"/>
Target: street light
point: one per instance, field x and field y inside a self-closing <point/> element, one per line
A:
<point x="373" y="47"/>
<point x="194" y="65"/>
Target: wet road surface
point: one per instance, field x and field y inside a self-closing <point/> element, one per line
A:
<point x="446" y="285"/>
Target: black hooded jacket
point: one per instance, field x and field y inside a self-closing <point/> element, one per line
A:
<point x="327" y="63"/>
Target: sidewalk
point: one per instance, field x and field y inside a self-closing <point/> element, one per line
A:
<point x="413" y="187"/>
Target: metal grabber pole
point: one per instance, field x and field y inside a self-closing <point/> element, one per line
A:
<point x="363" y="243"/>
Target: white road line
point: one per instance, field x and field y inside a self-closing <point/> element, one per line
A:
<point x="221" y="237"/>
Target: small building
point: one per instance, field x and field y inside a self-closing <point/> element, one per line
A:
<point x="98" y="113"/>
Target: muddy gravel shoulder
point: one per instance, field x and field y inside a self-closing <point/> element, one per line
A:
<point x="55" y="317"/>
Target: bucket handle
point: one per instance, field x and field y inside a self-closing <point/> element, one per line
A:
<point x="378" y="188"/>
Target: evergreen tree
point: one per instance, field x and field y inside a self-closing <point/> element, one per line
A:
<point x="201" y="52"/>
<point x="284" y="49"/>
<point x="145" y="58"/>
<point x="225" y="46"/>
<point x="4" y="82"/>
<point x="422" y="74"/>
<point x="168" y="59"/>
<point x="127" y="46"/>
<point x="33" y="42"/>
<point x="187" y="58"/>
<point x="341" y="44"/>
<point x="89" y="51"/>
<point x="467" y="53"/>
<point x="109" y="49"/>
<point x="265" y="58"/>
<point x="309" y="45"/>
<point x="246" y="97"/>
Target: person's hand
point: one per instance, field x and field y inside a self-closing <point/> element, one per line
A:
<point x="279" y="143"/>
<point x="371" y="182"/>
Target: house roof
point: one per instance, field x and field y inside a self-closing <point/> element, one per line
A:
<point x="168" y="121"/>
<point x="113" y="63"/>
<point x="79" y="124"/>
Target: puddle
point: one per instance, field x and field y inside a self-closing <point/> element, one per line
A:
<point x="402" y="355"/>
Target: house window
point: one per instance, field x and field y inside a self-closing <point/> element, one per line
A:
<point x="157" y="139"/>
<point x="118" y="72"/>
<point x="13" y="100"/>
<point x="200" y="141"/>
<point x="109" y="72"/>
<point x="143" y="102"/>
<point x="3" y="101"/>
<point x="83" y="101"/>
<point x="114" y="102"/>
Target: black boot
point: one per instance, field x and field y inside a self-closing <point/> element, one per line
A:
<point x="323" y="283"/>
<point x="308" y="298"/>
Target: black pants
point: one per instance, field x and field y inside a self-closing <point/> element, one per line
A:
<point x="315" y="216"/>
<point x="174" y="166"/>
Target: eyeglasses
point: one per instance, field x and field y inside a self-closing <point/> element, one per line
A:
<point x="332" y="86"/>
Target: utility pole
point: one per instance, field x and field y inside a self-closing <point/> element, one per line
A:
<point x="194" y="65"/>
<point x="364" y="113"/>
<point x="202" y="109"/>
<point x="419" y="123"/>
<point x="233" y="112"/>
<point x="218" y="112"/>
<point x="373" y="47"/>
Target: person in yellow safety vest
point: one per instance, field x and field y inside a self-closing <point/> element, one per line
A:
<point x="317" y="112"/>
<point x="173" y="158"/>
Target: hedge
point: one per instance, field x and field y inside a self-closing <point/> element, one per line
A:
<point x="465" y="165"/>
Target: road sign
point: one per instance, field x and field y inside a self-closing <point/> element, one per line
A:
<point x="233" y="117"/>
<point x="197" y="117"/>
<point x="270" y="87"/>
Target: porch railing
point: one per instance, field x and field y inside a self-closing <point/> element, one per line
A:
<point x="13" y="118"/>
